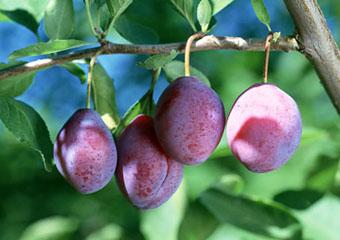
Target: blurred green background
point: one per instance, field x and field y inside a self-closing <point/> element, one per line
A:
<point x="219" y="199"/>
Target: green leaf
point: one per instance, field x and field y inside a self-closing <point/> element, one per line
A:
<point x="265" y="218"/>
<point x="135" y="32"/>
<point x="261" y="12"/>
<point x="230" y="183"/>
<point x="298" y="199"/>
<point x="35" y="7"/>
<point x="175" y="69"/>
<point x="198" y="223"/>
<point x="152" y="227"/>
<point x="59" y="19"/>
<point x="323" y="174"/>
<point x="104" y="97"/>
<point x="28" y="127"/>
<point x="140" y="107"/>
<point x="76" y="70"/>
<point x="43" y="48"/>
<point x="117" y="7"/>
<point x="218" y="5"/>
<point x="186" y="8"/>
<point x="158" y="61"/>
<point x="23" y="18"/>
<point x="204" y="14"/>
<point x="322" y="220"/>
<point x="17" y="85"/>
<point x="109" y="232"/>
<point x="53" y="228"/>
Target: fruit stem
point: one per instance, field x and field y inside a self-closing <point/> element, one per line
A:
<point x="187" y="51"/>
<point x="155" y="76"/>
<point x="267" y="53"/>
<point x="89" y="79"/>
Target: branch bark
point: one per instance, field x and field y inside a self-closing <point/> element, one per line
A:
<point x="207" y="43"/>
<point x="317" y="44"/>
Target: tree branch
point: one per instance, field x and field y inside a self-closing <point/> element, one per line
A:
<point x="204" y="44"/>
<point x="318" y="44"/>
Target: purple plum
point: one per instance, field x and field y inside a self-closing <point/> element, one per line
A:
<point x="85" y="152"/>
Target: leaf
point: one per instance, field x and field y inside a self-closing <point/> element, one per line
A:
<point x="186" y="8"/>
<point x="135" y="32"/>
<point x="52" y="228"/>
<point x="323" y="174"/>
<point x="175" y="69"/>
<point x="117" y="7"/>
<point x="261" y="12"/>
<point x="35" y="7"/>
<point x="76" y="70"/>
<point x="28" y="127"/>
<point x="17" y="85"/>
<point x="43" y="48"/>
<point x="265" y="218"/>
<point x="104" y="97"/>
<point x="198" y="223"/>
<point x="59" y="19"/>
<point x="141" y="106"/>
<point x="321" y="221"/>
<point x="158" y="61"/>
<point x="204" y="14"/>
<point x="152" y="227"/>
<point x="230" y="183"/>
<point x="23" y="18"/>
<point x="218" y="5"/>
<point x="109" y="232"/>
<point x="298" y="199"/>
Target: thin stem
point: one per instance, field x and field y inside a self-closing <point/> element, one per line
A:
<point x="267" y="53"/>
<point x="187" y="51"/>
<point x="107" y="30"/>
<point x="89" y="17"/>
<point x="154" y="77"/>
<point x="89" y="79"/>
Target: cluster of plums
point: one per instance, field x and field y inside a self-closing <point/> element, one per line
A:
<point x="263" y="131"/>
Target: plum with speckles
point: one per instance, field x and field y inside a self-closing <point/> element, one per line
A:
<point x="189" y="120"/>
<point x="85" y="152"/>
<point x="264" y="127"/>
<point x="145" y="174"/>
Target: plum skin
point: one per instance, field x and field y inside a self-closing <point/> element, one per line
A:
<point x="145" y="174"/>
<point x="264" y="127"/>
<point x="85" y="153"/>
<point x="189" y="120"/>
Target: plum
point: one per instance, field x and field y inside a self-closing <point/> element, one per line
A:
<point x="85" y="152"/>
<point x="145" y="174"/>
<point x="264" y="127"/>
<point x="189" y="120"/>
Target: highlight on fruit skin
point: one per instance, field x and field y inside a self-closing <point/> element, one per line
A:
<point x="189" y="120"/>
<point x="264" y="127"/>
<point x="85" y="153"/>
<point x="145" y="174"/>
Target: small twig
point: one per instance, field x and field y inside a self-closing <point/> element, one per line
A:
<point x="206" y="43"/>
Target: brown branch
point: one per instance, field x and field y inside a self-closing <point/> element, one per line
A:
<point x="206" y="43"/>
<point x="318" y="45"/>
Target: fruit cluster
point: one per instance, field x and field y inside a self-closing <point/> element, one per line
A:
<point x="263" y="131"/>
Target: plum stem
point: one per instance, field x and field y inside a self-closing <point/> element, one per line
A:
<point x="89" y="79"/>
<point x="187" y="51"/>
<point x="267" y="53"/>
